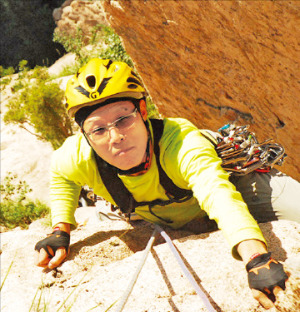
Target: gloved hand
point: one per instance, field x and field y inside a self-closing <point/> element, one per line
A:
<point x="265" y="273"/>
<point x="55" y="245"/>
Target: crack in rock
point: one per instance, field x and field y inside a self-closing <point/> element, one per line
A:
<point x="222" y="109"/>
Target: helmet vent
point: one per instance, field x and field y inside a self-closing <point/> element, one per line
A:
<point x="131" y="79"/>
<point x="132" y="86"/>
<point x="91" y="81"/>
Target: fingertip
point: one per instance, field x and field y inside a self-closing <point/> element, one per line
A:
<point x="42" y="265"/>
<point x="263" y="299"/>
<point x="51" y="266"/>
<point x="41" y="258"/>
<point x="54" y="263"/>
<point x="59" y="257"/>
<point x="277" y="289"/>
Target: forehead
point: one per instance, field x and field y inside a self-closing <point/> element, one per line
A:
<point x="113" y="110"/>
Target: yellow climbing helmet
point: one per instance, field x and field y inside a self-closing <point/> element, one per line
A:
<point x="100" y="80"/>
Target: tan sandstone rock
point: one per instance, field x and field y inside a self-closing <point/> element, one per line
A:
<point x="104" y="256"/>
<point x="79" y="14"/>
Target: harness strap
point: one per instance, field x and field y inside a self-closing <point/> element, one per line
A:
<point x="114" y="185"/>
<point x="165" y="181"/>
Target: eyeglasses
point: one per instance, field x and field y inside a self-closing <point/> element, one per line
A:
<point x="122" y="123"/>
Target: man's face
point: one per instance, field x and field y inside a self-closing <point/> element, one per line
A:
<point x="122" y="147"/>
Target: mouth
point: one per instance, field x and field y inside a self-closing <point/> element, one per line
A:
<point x="123" y="151"/>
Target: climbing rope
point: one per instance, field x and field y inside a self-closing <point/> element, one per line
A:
<point x="185" y="270"/>
<point x="136" y="273"/>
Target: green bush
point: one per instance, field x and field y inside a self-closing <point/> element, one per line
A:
<point x="68" y="70"/>
<point x="152" y="109"/>
<point x="106" y="44"/>
<point x="72" y="44"/>
<point x="23" y="70"/>
<point x="6" y="71"/>
<point x="115" y="50"/>
<point x="16" y="209"/>
<point x="39" y="106"/>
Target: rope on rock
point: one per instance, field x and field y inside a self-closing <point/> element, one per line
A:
<point x="185" y="270"/>
<point x="137" y="272"/>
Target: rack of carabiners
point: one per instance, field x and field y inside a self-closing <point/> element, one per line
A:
<point x="241" y="153"/>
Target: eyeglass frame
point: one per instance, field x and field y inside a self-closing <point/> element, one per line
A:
<point x="113" y="124"/>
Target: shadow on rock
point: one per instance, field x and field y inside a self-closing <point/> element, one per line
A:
<point x="136" y="238"/>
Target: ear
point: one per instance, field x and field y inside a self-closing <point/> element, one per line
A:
<point x="143" y="109"/>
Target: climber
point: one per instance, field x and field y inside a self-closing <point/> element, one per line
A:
<point x="164" y="171"/>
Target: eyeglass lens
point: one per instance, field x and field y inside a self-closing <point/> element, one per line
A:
<point x="122" y="123"/>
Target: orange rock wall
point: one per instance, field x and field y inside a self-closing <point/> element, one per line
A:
<point x="219" y="61"/>
<point x="215" y="62"/>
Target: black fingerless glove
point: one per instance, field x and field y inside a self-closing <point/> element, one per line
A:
<point x="265" y="273"/>
<point x="55" y="240"/>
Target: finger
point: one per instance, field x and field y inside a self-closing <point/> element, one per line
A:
<point x="276" y="290"/>
<point x="262" y="299"/>
<point x="59" y="257"/>
<point x="41" y="258"/>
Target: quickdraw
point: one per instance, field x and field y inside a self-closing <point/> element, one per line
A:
<point x="241" y="153"/>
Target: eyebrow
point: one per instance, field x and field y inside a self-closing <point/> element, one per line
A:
<point x="123" y="114"/>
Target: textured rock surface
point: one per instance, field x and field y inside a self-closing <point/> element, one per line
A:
<point x="215" y="61"/>
<point x="104" y="256"/>
<point x="79" y="14"/>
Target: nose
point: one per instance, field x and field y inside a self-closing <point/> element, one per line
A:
<point x="115" y="135"/>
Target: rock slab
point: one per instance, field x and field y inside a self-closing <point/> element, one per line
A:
<point x="104" y="256"/>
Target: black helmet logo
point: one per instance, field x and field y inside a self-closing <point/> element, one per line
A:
<point x="94" y="95"/>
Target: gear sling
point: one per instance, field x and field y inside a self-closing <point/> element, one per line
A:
<point x="124" y="199"/>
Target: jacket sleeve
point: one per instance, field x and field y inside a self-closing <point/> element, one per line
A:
<point x="70" y="169"/>
<point x="197" y="166"/>
<point x="64" y="195"/>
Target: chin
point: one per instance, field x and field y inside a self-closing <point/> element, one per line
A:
<point x="129" y="165"/>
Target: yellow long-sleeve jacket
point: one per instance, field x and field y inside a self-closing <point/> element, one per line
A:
<point x="187" y="157"/>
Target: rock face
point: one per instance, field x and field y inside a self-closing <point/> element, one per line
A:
<point x="214" y="62"/>
<point x="79" y="14"/>
<point x="104" y="257"/>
